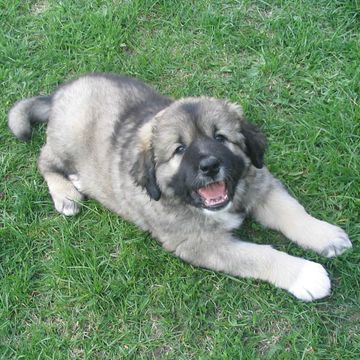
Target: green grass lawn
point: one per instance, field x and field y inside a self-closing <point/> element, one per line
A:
<point x="96" y="287"/>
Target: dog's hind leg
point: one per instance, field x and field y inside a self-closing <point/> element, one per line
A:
<point x="65" y="196"/>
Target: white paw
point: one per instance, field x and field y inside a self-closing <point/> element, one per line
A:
<point x="329" y="240"/>
<point x="66" y="206"/>
<point x="75" y="180"/>
<point x="312" y="282"/>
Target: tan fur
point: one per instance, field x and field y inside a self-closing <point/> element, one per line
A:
<point x="115" y="140"/>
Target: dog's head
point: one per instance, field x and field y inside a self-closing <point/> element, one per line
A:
<point x="197" y="150"/>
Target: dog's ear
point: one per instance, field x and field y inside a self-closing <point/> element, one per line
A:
<point x="255" y="142"/>
<point x="143" y="170"/>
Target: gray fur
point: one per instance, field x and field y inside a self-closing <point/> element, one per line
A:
<point x="115" y="139"/>
<point x="27" y="111"/>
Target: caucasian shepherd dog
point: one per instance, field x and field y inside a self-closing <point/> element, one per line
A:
<point x="188" y="171"/>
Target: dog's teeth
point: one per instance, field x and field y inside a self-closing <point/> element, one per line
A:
<point x="215" y="201"/>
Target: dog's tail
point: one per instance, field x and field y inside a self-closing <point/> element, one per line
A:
<point x="26" y="112"/>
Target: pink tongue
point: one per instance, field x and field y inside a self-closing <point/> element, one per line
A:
<point x="213" y="191"/>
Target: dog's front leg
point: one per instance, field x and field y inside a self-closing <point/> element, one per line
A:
<point x="280" y="211"/>
<point x="306" y="280"/>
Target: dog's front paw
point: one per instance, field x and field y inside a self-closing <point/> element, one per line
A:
<point x="339" y="243"/>
<point x="328" y="240"/>
<point x="311" y="283"/>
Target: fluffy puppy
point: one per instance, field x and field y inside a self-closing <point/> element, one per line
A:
<point x="188" y="171"/>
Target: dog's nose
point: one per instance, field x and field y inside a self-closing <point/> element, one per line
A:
<point x="209" y="166"/>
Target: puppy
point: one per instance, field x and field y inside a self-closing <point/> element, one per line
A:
<point x="188" y="171"/>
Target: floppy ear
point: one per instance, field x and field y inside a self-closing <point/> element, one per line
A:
<point x="143" y="170"/>
<point x="255" y="142"/>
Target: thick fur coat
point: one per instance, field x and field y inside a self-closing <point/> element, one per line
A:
<point x="188" y="171"/>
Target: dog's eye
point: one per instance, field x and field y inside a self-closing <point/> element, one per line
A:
<point x="220" y="138"/>
<point x="180" y="150"/>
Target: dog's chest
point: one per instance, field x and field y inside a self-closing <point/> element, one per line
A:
<point x="226" y="219"/>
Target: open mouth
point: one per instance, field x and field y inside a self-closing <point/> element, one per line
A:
<point x="214" y="196"/>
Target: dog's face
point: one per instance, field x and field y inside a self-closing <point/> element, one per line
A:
<point x="197" y="150"/>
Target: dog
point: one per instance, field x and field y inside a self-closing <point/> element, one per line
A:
<point x="188" y="171"/>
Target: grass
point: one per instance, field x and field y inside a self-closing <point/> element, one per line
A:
<point x="94" y="286"/>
